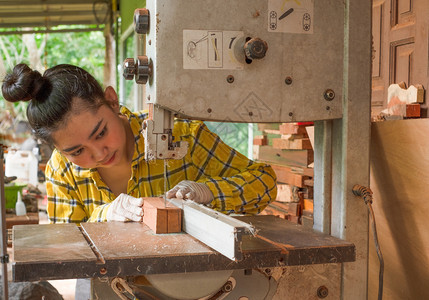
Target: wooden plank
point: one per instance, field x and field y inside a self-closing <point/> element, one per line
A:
<point x="162" y="217"/>
<point x="285" y="176"/>
<point x="220" y="232"/>
<point x="412" y="110"/>
<point x="308" y="204"/>
<point x="300" y="158"/>
<point x="399" y="176"/>
<point x="292" y="128"/>
<point x="260" y="140"/>
<point x="292" y="144"/>
<point x="285" y="193"/>
<point x="268" y="126"/>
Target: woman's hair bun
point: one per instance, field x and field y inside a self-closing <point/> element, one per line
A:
<point x="22" y="84"/>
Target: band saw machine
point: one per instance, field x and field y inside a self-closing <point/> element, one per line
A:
<point x="252" y="61"/>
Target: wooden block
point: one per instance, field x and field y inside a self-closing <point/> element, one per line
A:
<point x="413" y="110"/>
<point x="292" y="128"/>
<point x="271" y="211"/>
<point x="260" y="140"/>
<point x="302" y="171"/>
<point x="284" y="175"/>
<point x="293" y="136"/>
<point x="420" y="93"/>
<point x="292" y="144"/>
<point x="291" y="208"/>
<point x="309" y="182"/>
<point x="160" y="218"/>
<point x="284" y="193"/>
<point x="300" y="158"/>
<point x="308" y="192"/>
<point x="268" y="126"/>
<point x="308" y="204"/>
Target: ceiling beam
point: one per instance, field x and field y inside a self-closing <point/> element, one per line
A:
<point x="14" y="32"/>
<point x="47" y="2"/>
<point x="51" y="13"/>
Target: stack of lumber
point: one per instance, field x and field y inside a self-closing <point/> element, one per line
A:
<point x="287" y="147"/>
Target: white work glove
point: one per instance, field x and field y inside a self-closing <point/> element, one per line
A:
<point x="197" y="192"/>
<point x="125" y="208"/>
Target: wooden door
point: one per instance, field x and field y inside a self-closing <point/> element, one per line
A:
<point x="400" y="47"/>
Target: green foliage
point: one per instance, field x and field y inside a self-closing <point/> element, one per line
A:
<point x="234" y="135"/>
<point x="85" y="49"/>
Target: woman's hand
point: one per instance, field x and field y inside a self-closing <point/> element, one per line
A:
<point x="125" y="208"/>
<point x="186" y="189"/>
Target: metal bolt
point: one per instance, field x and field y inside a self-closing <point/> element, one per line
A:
<point x="227" y="287"/>
<point x="290" y="114"/>
<point x="230" y="79"/>
<point x="103" y="271"/>
<point x="250" y="113"/>
<point x="148" y="97"/>
<point x="288" y="80"/>
<point x="328" y="107"/>
<point x="141" y="20"/>
<point x="322" y="292"/>
<point x="163" y="137"/>
<point x="120" y="287"/>
<point x="149" y="42"/>
<point x="329" y="95"/>
<point x="209" y="110"/>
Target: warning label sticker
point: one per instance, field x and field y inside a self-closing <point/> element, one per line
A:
<point x="293" y="16"/>
<point x="213" y="49"/>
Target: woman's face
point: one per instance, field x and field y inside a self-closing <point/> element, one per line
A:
<point x="93" y="139"/>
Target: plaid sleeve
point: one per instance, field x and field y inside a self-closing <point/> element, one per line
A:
<point x="239" y="185"/>
<point x="72" y="199"/>
<point x="63" y="205"/>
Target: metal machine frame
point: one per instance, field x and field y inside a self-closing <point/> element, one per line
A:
<point x="341" y="161"/>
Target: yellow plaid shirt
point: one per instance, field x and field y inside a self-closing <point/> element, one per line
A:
<point x="238" y="184"/>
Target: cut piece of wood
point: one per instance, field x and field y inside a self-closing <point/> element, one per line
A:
<point x="284" y="175"/>
<point x="162" y="217"/>
<point x="309" y="182"/>
<point x="260" y="140"/>
<point x="292" y="144"/>
<point x="284" y="193"/>
<point x="308" y="204"/>
<point x="268" y="126"/>
<point x="412" y="110"/>
<point x="218" y="231"/>
<point x="300" y="158"/>
<point x="292" y="128"/>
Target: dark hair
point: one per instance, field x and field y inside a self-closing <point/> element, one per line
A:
<point x="51" y="95"/>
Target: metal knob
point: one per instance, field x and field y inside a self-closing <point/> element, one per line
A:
<point x="255" y="48"/>
<point x="141" y="20"/>
<point x="140" y="69"/>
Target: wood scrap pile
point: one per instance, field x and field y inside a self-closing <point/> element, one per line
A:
<point x="287" y="147"/>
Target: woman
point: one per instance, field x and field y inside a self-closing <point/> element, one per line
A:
<point x="97" y="171"/>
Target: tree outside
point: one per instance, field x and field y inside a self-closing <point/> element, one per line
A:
<point x="41" y="51"/>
